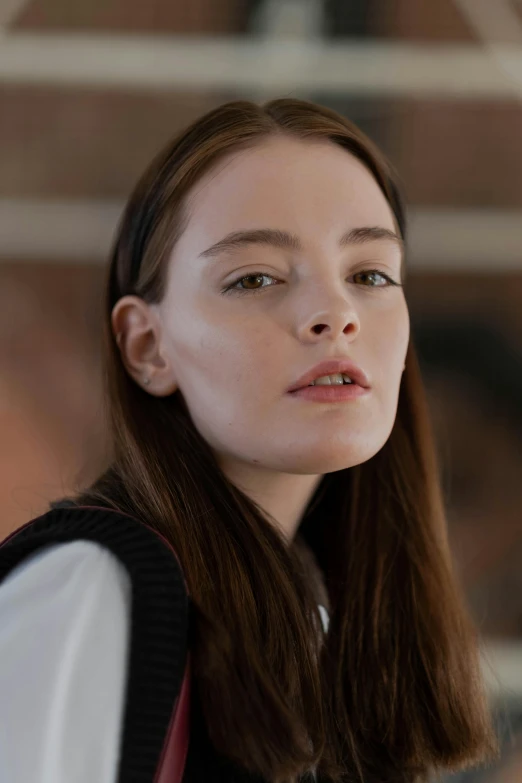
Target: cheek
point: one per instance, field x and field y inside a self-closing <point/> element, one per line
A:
<point x="222" y="366"/>
<point x="228" y="387"/>
<point x="390" y="343"/>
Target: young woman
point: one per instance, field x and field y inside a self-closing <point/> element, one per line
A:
<point x="271" y="443"/>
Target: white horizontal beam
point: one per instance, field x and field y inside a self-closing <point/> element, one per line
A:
<point x="350" y="66"/>
<point x="474" y="239"/>
<point x="82" y="231"/>
<point x="72" y="231"/>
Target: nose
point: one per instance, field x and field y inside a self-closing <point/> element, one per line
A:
<point x="335" y="318"/>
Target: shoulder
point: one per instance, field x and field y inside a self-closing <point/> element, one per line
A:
<point x="92" y="556"/>
<point x="149" y="559"/>
<point x="108" y="547"/>
<point x="70" y="596"/>
<point x="83" y="569"/>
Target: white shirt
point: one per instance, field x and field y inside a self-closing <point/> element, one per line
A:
<point x="64" y="630"/>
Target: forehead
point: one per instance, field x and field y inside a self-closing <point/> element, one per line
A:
<point x="309" y="187"/>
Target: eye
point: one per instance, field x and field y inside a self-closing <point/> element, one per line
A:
<point x="372" y="274"/>
<point x="252" y="279"/>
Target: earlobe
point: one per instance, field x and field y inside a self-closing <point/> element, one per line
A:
<point x="161" y="387"/>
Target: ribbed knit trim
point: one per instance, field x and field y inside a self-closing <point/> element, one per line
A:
<point x="159" y="620"/>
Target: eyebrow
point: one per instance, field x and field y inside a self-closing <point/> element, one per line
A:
<point x="285" y="241"/>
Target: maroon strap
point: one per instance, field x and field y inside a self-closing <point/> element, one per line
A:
<point x="174" y="754"/>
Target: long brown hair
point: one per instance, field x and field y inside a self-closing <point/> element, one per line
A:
<point x="394" y="691"/>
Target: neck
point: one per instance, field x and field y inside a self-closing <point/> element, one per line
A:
<point x="283" y="497"/>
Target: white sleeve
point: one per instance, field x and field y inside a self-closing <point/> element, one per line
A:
<point x="64" y="626"/>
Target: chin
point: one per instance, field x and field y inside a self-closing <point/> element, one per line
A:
<point x="326" y="460"/>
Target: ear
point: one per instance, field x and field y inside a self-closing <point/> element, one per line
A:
<point x="137" y="330"/>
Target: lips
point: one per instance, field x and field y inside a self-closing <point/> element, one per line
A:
<point x="331" y="367"/>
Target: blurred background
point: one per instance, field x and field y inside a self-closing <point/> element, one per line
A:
<point x="91" y="90"/>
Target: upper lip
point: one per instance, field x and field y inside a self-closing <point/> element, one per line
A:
<point x="331" y="367"/>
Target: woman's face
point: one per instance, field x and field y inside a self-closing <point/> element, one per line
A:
<point x="233" y="355"/>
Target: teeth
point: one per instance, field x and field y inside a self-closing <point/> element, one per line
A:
<point x="331" y="380"/>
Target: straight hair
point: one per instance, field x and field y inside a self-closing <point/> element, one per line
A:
<point x="393" y="692"/>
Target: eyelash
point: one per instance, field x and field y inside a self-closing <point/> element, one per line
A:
<point x="229" y="289"/>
